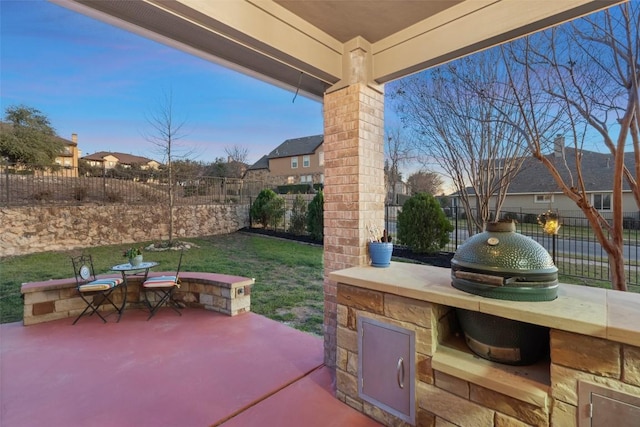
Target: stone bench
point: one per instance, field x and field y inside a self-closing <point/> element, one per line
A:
<point x="58" y="299"/>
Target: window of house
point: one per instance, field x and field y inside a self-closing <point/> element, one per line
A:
<point x="306" y="161"/>
<point x="322" y="178"/>
<point x="543" y="198"/>
<point x="306" y="178"/>
<point x="602" y="201"/>
<point x="291" y="180"/>
<point x="321" y="158"/>
<point x="294" y="163"/>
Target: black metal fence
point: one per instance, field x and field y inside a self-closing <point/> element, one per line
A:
<point x="575" y="249"/>
<point x="28" y="187"/>
<point x="286" y="223"/>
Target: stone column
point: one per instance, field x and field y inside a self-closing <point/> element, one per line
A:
<point x="354" y="177"/>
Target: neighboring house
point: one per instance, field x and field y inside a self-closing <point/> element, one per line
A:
<point x="295" y="161"/>
<point x="68" y="159"/>
<point x="300" y="161"/>
<point x="535" y="191"/>
<point x="110" y="160"/>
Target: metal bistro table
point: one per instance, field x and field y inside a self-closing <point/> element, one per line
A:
<point x="128" y="270"/>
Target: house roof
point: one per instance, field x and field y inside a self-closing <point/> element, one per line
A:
<point x="263" y="163"/>
<point x="297" y="147"/>
<point x="597" y="172"/>
<point x="127" y="159"/>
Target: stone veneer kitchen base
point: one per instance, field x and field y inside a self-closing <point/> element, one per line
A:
<point x="594" y="337"/>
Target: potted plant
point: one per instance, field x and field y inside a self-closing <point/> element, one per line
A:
<point x="134" y="255"/>
<point x="380" y="247"/>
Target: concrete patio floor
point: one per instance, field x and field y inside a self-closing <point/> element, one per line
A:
<point x="199" y="369"/>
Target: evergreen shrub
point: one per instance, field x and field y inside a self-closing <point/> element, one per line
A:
<point x="422" y="224"/>
<point x="268" y="209"/>
<point x="298" y="219"/>
<point x="315" y="217"/>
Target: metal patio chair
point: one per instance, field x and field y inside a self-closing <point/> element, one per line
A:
<point x="162" y="289"/>
<point x="94" y="292"/>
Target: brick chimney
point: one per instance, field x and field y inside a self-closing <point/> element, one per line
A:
<point x="558" y="146"/>
<point x="74" y="138"/>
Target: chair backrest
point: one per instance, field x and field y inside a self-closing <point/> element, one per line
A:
<point x="83" y="269"/>
<point x="179" y="264"/>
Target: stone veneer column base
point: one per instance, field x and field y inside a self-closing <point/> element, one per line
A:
<point x="354" y="187"/>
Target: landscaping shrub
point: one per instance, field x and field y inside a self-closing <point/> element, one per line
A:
<point x="43" y="195"/>
<point x="113" y="196"/>
<point x="80" y="193"/>
<point x="422" y="225"/>
<point x="268" y="209"/>
<point x="293" y="189"/>
<point x="315" y="217"/>
<point x="298" y="220"/>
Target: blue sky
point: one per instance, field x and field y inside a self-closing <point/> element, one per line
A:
<point x="103" y="83"/>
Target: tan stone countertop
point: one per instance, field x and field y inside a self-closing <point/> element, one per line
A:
<point x="603" y="313"/>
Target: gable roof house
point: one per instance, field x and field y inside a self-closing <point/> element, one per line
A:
<point x="533" y="190"/>
<point x="68" y="158"/>
<point x="295" y="161"/>
<point x="109" y="160"/>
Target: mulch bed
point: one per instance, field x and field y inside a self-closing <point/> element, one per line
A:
<point x="441" y="259"/>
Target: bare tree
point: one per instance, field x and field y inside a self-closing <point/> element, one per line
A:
<point x="398" y="152"/>
<point x="425" y="182"/>
<point x="452" y="111"/>
<point x="165" y="134"/>
<point x="236" y="160"/>
<point x="587" y="73"/>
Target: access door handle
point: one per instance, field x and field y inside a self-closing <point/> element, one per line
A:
<point x="400" y="372"/>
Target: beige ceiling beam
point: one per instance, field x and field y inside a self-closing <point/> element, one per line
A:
<point x="469" y="27"/>
<point x="268" y="28"/>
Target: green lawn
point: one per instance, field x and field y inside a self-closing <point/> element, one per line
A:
<point x="289" y="275"/>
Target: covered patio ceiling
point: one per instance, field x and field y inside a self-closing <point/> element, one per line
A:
<point x="304" y="44"/>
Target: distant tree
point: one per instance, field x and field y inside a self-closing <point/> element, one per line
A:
<point x="236" y="161"/>
<point x="218" y="168"/>
<point x="452" y="111"/>
<point x="188" y="169"/>
<point x="397" y="152"/>
<point x="165" y="134"/>
<point x="425" y="182"/>
<point x="27" y="138"/>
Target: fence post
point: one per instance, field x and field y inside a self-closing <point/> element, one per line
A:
<point x="104" y="183"/>
<point x="6" y="175"/>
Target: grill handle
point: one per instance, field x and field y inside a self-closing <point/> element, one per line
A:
<point x="487" y="279"/>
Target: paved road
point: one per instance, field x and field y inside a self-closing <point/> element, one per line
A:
<point x="588" y="249"/>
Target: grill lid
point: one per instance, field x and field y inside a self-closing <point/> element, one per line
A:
<point x="500" y="263"/>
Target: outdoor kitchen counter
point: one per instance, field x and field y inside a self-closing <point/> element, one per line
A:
<point x="602" y="313"/>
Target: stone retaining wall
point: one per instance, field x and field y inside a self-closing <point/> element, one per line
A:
<point x="26" y="230"/>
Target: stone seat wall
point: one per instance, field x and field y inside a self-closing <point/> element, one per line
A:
<point x="59" y="299"/>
